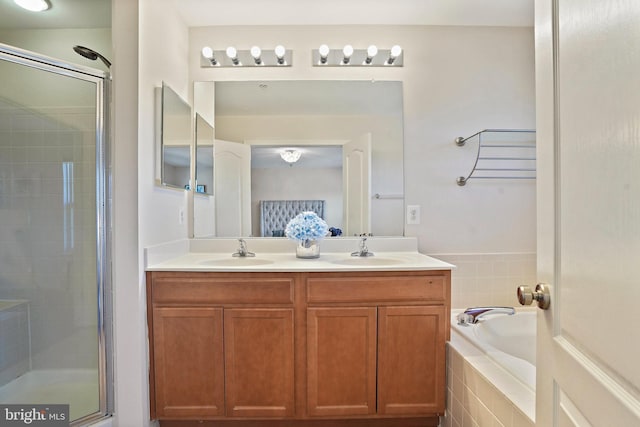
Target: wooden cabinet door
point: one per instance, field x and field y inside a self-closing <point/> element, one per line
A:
<point x="259" y="361"/>
<point x="411" y="360"/>
<point x="341" y="361"/>
<point x="188" y="362"/>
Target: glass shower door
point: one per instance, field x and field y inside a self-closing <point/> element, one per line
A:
<point x="52" y="238"/>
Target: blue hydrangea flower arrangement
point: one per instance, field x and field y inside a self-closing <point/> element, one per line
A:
<point x="306" y="226"/>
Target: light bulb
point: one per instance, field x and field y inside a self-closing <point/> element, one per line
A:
<point x="232" y="53"/>
<point x="280" y="52"/>
<point x="372" y="51"/>
<point x="255" y="53"/>
<point x="395" y="52"/>
<point x="207" y="52"/>
<point x="33" y="5"/>
<point x="323" y="50"/>
<point x="347" y="51"/>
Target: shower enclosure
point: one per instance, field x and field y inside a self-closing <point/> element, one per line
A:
<point x="54" y="276"/>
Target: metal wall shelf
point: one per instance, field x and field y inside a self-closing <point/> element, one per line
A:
<point x="502" y="154"/>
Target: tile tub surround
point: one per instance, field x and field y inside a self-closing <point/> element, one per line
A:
<point x="489" y="279"/>
<point x="473" y="400"/>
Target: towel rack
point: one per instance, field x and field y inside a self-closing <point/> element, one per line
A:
<point x="502" y="154"/>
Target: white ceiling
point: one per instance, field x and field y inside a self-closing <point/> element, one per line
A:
<point x="97" y="13"/>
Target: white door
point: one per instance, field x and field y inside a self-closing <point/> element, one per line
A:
<point x="356" y="176"/>
<point x="588" y="132"/>
<point x="232" y="181"/>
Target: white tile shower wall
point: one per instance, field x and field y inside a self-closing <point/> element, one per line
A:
<point x="47" y="213"/>
<point x="472" y="401"/>
<point x="489" y="279"/>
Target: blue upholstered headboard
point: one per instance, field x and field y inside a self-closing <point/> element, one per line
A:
<point x="275" y="214"/>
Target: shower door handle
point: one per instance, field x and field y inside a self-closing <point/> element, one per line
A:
<point x="541" y="294"/>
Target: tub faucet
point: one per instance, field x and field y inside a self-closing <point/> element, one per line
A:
<point x="472" y="315"/>
<point x="362" y="251"/>
<point x="242" y="250"/>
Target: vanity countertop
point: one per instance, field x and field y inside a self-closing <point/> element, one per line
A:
<point x="389" y="255"/>
<point x="283" y="262"/>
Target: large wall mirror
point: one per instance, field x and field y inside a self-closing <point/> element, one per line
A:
<point x="318" y="120"/>
<point x="174" y="160"/>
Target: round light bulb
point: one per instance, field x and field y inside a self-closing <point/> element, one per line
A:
<point x="280" y="51"/>
<point x="255" y="52"/>
<point x="323" y="50"/>
<point x="232" y="52"/>
<point x="347" y="51"/>
<point x="207" y="52"/>
<point x="372" y="51"/>
<point x="396" y="51"/>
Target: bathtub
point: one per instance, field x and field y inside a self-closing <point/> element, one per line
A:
<point x="494" y="360"/>
<point x="510" y="341"/>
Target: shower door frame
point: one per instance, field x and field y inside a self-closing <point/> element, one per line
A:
<point x="102" y="80"/>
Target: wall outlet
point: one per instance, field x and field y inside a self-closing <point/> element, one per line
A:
<point x="181" y="216"/>
<point x="413" y="214"/>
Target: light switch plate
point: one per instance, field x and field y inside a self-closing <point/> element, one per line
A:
<point x="413" y="214"/>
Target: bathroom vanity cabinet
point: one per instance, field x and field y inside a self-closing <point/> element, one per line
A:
<point x="297" y="348"/>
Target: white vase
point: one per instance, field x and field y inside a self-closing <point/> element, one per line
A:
<point x="308" y="249"/>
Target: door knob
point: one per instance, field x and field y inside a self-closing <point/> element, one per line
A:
<point x="541" y="294"/>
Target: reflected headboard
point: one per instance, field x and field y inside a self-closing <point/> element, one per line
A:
<point x="275" y="214"/>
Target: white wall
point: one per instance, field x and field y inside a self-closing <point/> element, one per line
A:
<point x="297" y="184"/>
<point x="58" y="43"/>
<point x="163" y="57"/>
<point x="457" y="81"/>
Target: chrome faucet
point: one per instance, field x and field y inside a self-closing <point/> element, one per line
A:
<point x="362" y="251"/>
<point x="472" y="315"/>
<point x="242" y="250"/>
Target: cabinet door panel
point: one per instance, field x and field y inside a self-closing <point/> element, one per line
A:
<point x="188" y="364"/>
<point x="341" y="361"/>
<point x="411" y="360"/>
<point x="259" y="354"/>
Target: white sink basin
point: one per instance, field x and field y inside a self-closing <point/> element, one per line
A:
<point x="236" y="262"/>
<point x="369" y="261"/>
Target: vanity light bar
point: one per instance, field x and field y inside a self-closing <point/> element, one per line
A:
<point x="347" y="56"/>
<point x="254" y="57"/>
